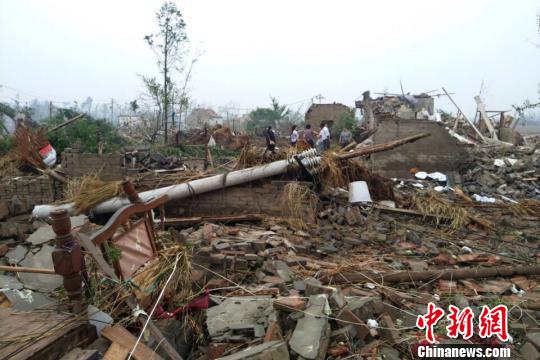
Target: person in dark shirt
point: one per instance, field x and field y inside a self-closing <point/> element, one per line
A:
<point x="308" y="136"/>
<point x="270" y="139"/>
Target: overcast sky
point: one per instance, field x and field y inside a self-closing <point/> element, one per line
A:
<point x="66" y="50"/>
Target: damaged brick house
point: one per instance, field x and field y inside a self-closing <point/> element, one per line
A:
<point x="405" y="106"/>
<point x="201" y="116"/>
<point x="401" y="116"/>
<point x="329" y="113"/>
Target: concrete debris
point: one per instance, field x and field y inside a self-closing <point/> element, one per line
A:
<point x="40" y="282"/>
<point x="240" y="318"/>
<point x="311" y="335"/>
<point x="45" y="233"/>
<point x="26" y="299"/>
<point x="273" y="350"/>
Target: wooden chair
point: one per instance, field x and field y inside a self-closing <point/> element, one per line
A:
<point x="137" y="240"/>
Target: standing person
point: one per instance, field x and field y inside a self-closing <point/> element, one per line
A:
<point x="308" y="136"/>
<point x="324" y="138"/>
<point x="294" y="135"/>
<point x="270" y="139"/>
<point x="345" y="137"/>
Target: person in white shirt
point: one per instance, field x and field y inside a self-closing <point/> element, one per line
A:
<point x="294" y="135"/>
<point x="324" y="138"/>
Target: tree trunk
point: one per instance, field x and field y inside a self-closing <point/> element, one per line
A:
<point x="165" y="84"/>
<point x="445" y="274"/>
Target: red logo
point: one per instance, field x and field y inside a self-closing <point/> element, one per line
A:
<point x="494" y="322"/>
<point x="461" y="322"/>
<point x="491" y="322"/>
<point x="429" y="320"/>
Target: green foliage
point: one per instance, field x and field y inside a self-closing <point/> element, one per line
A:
<point x="445" y="115"/>
<point x="168" y="45"/>
<point x="196" y="151"/>
<point x="112" y="252"/>
<point x="270" y="116"/>
<point x="5" y="144"/>
<point x="346" y="120"/>
<point x="133" y="106"/>
<point x="88" y="131"/>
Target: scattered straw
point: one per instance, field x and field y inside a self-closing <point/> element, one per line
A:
<point x="26" y="145"/>
<point x="432" y="204"/>
<point x="88" y="191"/>
<point x="333" y="172"/>
<point x="299" y="200"/>
<point x="8" y="166"/>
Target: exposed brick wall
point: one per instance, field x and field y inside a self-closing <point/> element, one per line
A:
<point x="24" y="192"/>
<point x="255" y="198"/>
<point x="108" y="166"/>
<point x="439" y="152"/>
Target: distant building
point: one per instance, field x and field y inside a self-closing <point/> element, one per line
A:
<point x="128" y="121"/>
<point x="329" y="113"/>
<point x="201" y="116"/>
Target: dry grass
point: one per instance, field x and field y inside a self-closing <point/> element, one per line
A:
<point x="299" y="200"/>
<point x="88" y="191"/>
<point x="152" y="277"/>
<point x="8" y="166"/>
<point x="26" y="145"/>
<point x="339" y="173"/>
<point x="432" y="204"/>
<point x="333" y="171"/>
<point x="529" y="207"/>
<point x="254" y="156"/>
<point x="146" y="284"/>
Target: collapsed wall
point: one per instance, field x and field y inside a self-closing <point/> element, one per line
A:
<point x="439" y="152"/>
<point x="110" y="166"/>
<point x="22" y="193"/>
<point x="251" y="198"/>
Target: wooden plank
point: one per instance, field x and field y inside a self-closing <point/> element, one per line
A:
<point x="22" y="269"/>
<point x="120" y="335"/>
<point x="485" y="118"/>
<point x="116" y="352"/>
<point x="22" y="334"/>
<point x="80" y="354"/>
<point x="465" y="117"/>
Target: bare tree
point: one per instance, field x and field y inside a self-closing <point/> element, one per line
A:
<point x="167" y="43"/>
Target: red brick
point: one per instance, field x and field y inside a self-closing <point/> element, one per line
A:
<point x="290" y="304"/>
<point x="349" y="318"/>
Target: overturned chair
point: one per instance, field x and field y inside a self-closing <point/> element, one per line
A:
<point x="130" y="230"/>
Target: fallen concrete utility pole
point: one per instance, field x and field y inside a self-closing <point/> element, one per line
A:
<point x="445" y="274"/>
<point x="309" y="159"/>
<point x="382" y="147"/>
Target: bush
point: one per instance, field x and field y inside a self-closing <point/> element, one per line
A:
<point x="5" y="144"/>
<point x="89" y="132"/>
<point x="346" y="120"/>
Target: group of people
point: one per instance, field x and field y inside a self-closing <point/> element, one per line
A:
<point x="320" y="139"/>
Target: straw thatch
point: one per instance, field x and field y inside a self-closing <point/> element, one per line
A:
<point x="299" y="199"/>
<point x="26" y="145"/>
<point x="88" y="191"/>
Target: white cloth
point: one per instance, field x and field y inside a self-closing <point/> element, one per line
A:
<point x="294" y="136"/>
<point x="324" y="134"/>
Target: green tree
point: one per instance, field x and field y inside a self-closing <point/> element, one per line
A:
<point x="346" y="120"/>
<point x="167" y="43"/>
<point x="262" y="117"/>
<point x="133" y="106"/>
<point x="89" y="132"/>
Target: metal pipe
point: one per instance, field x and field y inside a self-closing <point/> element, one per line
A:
<point x="195" y="187"/>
